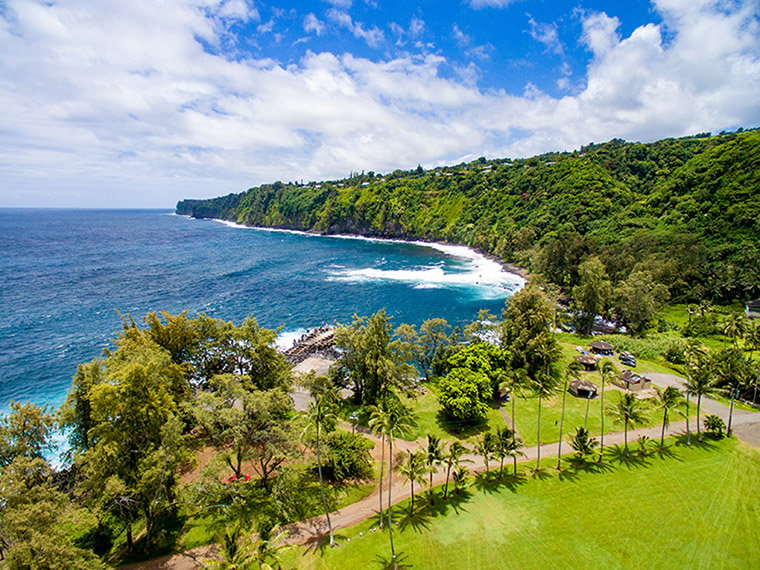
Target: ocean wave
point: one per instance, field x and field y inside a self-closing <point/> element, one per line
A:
<point x="287" y="339"/>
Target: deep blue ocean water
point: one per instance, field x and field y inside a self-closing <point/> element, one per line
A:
<point x="64" y="274"/>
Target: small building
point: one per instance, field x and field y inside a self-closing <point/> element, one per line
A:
<point x="752" y="308"/>
<point x="601" y="347"/>
<point x="582" y="388"/>
<point x="588" y="361"/>
<point x="631" y="381"/>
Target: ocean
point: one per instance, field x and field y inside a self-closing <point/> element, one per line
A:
<point x="67" y="275"/>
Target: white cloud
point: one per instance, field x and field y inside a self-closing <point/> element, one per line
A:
<point x="116" y="104"/>
<point x="478" y="4"/>
<point x="373" y="36"/>
<point x="313" y="24"/>
<point x="546" y="34"/>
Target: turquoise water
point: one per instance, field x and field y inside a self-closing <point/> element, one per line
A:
<point x="66" y="273"/>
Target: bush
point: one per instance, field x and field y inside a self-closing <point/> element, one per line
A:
<point x="702" y="325"/>
<point x="714" y="426"/>
<point x="464" y="393"/>
<point x="346" y="456"/>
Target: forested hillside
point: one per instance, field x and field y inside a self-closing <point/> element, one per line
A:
<point x="685" y="211"/>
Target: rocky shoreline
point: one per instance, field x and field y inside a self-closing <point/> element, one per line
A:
<point x="314" y="343"/>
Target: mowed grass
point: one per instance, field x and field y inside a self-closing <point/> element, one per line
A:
<point x="689" y="508"/>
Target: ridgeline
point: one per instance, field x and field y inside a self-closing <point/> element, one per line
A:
<point x="687" y="211"/>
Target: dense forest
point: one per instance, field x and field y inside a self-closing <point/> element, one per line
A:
<point x="684" y="213"/>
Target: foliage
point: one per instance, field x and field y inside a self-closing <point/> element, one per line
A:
<point x="484" y="358"/>
<point x="463" y="393"/>
<point x="714" y="425"/>
<point x="582" y="443"/>
<point x="347" y="456"/>
<point x="686" y="207"/>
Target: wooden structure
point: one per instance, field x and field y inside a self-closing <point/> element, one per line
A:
<point x="588" y="361"/>
<point x="601" y="347"/>
<point x="582" y="388"/>
<point x="752" y="308"/>
<point x="631" y="381"/>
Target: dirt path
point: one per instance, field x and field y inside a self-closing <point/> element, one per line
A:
<point x="312" y="531"/>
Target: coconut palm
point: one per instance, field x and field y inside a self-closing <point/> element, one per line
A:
<point x="460" y="477"/>
<point x="714" y="424"/>
<point x="433" y="458"/>
<point x="398" y="421"/>
<point x="486" y="447"/>
<point x="668" y="399"/>
<point x="514" y="450"/>
<point x="752" y="339"/>
<point x="582" y="443"/>
<point x="628" y="412"/>
<point x="571" y="371"/>
<point x="234" y="551"/>
<point x="413" y="469"/>
<point x="545" y="384"/>
<point x="267" y="549"/>
<point x="693" y="352"/>
<point x="377" y="422"/>
<point x="606" y="370"/>
<point x="702" y="383"/>
<point x="504" y="437"/>
<point x="321" y="416"/>
<point x="453" y="459"/>
<point x="734" y="326"/>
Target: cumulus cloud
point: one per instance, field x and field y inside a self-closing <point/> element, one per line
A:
<point x="373" y="36"/>
<point x="546" y="34"/>
<point x="135" y="103"/>
<point x="313" y="24"/>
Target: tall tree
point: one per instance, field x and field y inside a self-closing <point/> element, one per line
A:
<point x="454" y="457"/>
<point x="571" y="371"/>
<point x="628" y="412"/>
<point x="735" y="325"/>
<point x="592" y="294"/>
<point x="423" y="346"/>
<point x="413" y="468"/>
<point x="378" y="423"/>
<point x="433" y="458"/>
<point x="702" y="383"/>
<point x="486" y="447"/>
<point x="399" y="420"/>
<point x="606" y="370"/>
<point x="25" y="432"/>
<point x="371" y="362"/>
<point x="544" y="385"/>
<point x="321" y="417"/>
<point x="667" y="400"/>
<point x="693" y="353"/>
<point x="638" y="297"/>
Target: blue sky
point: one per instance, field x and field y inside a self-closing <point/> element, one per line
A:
<point x="142" y="103"/>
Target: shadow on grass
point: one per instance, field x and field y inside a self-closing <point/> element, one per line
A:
<point x="386" y="562"/>
<point x="462" y="428"/>
<point x="617" y="454"/>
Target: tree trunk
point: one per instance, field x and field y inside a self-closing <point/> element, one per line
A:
<point x="561" y="424"/>
<point x="699" y="431"/>
<point x="664" y="422"/>
<point x="585" y="421"/>
<point x="382" y="465"/>
<point x="130" y="540"/>
<point x="688" y="431"/>
<point x="601" y="445"/>
<point x="514" y="458"/>
<point x="626" y="438"/>
<point x="446" y="486"/>
<point x="322" y="491"/>
<point x="390" y="507"/>
<point x="411" y="504"/>
<point x="431" y="485"/>
<point x="538" y="437"/>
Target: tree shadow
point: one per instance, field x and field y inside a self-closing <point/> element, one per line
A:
<point x="542" y="473"/>
<point x="386" y="562"/>
<point x="419" y="520"/>
<point x="460" y="428"/>
<point x="617" y="454"/>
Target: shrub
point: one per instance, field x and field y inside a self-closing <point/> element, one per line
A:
<point x="347" y="456"/>
<point x="464" y="393"/>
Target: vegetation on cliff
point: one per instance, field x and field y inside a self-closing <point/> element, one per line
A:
<point x="685" y="211"/>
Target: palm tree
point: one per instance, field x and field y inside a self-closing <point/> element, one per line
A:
<point x="460" y="477"/>
<point x="234" y="549"/>
<point x="702" y="384"/>
<point x="377" y="422"/>
<point x="398" y="421"/>
<point x="453" y="459"/>
<point x="514" y="449"/>
<point x="667" y="399"/>
<point x="571" y="371"/>
<point x="267" y="549"/>
<point x="413" y="469"/>
<point x="693" y="352"/>
<point x="735" y="325"/>
<point x="606" y="369"/>
<point x="321" y="416"/>
<point x="433" y="457"/>
<point x="504" y="437"/>
<point x="545" y="385"/>
<point x="582" y="443"/>
<point x="628" y="412"/>
<point x="486" y="446"/>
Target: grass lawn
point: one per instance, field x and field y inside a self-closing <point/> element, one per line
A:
<point x="689" y="508"/>
<point x="430" y="420"/>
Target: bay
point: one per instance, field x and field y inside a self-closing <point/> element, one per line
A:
<point x="67" y="276"/>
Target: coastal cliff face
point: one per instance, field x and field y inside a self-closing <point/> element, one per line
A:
<point x="687" y="209"/>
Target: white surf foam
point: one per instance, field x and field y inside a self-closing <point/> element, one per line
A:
<point x="287" y="339"/>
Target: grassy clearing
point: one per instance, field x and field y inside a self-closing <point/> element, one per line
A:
<point x="688" y="508"/>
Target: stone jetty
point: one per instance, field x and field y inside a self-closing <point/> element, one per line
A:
<point x="314" y="343"/>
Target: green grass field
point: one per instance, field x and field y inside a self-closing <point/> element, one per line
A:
<point x="689" y="508"/>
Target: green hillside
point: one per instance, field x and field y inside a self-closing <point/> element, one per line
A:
<point x="686" y="210"/>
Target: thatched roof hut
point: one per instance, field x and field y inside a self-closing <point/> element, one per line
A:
<point x="601" y="347"/>
<point x="588" y="361"/>
<point x="582" y="388"/>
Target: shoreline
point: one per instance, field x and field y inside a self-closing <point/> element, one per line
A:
<point x="506" y="266"/>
